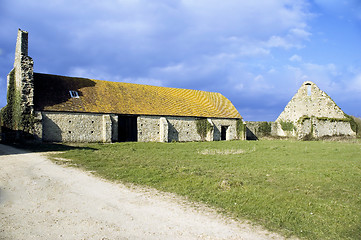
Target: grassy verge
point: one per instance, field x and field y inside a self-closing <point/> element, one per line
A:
<point x="308" y="189"/>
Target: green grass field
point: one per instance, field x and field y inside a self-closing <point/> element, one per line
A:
<point x="307" y="189"/>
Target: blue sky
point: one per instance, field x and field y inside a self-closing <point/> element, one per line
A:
<point x="256" y="53"/>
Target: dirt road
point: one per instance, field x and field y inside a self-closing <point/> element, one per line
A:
<point x="42" y="200"/>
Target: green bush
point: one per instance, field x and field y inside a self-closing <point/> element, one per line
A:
<point x="353" y="123"/>
<point x="287" y="126"/>
<point x="203" y="127"/>
<point x="240" y="128"/>
<point x="356" y="126"/>
<point x="13" y="119"/>
<point x="264" y="128"/>
<point x="10" y="114"/>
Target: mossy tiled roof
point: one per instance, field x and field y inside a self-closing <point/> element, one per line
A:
<point x="95" y="96"/>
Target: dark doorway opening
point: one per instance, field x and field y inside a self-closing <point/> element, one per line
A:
<point x="127" y="128"/>
<point x="224" y="132"/>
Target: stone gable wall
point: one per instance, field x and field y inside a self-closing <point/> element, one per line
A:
<point x="317" y="104"/>
<point x="314" y="113"/>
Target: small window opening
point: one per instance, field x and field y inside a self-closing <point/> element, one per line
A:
<point x="69" y="131"/>
<point x="92" y="121"/>
<point x="309" y="93"/>
<point x="74" y="94"/>
<point x="69" y="121"/>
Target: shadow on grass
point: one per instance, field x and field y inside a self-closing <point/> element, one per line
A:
<point x="21" y="148"/>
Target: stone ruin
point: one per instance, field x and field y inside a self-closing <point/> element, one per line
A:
<point x="311" y="114"/>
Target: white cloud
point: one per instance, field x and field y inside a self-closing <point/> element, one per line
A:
<point x="272" y="70"/>
<point x="239" y="86"/>
<point x="295" y="58"/>
<point x="355" y="83"/>
<point x="296" y="74"/>
<point x="93" y="73"/>
<point x="299" y="33"/>
<point x="277" y="41"/>
<point x="329" y="69"/>
<point x="173" y="69"/>
<point x="98" y="74"/>
<point x="259" y="78"/>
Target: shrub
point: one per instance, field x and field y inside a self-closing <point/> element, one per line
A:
<point x="287" y="126"/>
<point x="353" y="123"/>
<point x="203" y="127"/>
<point x="240" y="128"/>
<point x="264" y="128"/>
<point x="356" y="126"/>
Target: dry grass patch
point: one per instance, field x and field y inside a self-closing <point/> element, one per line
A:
<point x="221" y="151"/>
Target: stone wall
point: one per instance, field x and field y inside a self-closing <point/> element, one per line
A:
<point x="182" y="129"/>
<point x="256" y="130"/>
<point x="277" y="130"/>
<point x="88" y="127"/>
<point x="231" y="130"/>
<point x="149" y="129"/>
<point x="77" y="127"/>
<point x="317" y="128"/>
<point x="309" y="127"/>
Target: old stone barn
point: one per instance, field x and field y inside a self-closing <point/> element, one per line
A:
<point x="69" y="109"/>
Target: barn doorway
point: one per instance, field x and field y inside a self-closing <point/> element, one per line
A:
<point x="224" y="132"/>
<point x="127" y="128"/>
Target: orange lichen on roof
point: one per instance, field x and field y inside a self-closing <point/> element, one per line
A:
<point x="96" y="96"/>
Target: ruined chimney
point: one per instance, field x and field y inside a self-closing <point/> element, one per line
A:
<point x="21" y="45"/>
<point x="23" y="73"/>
